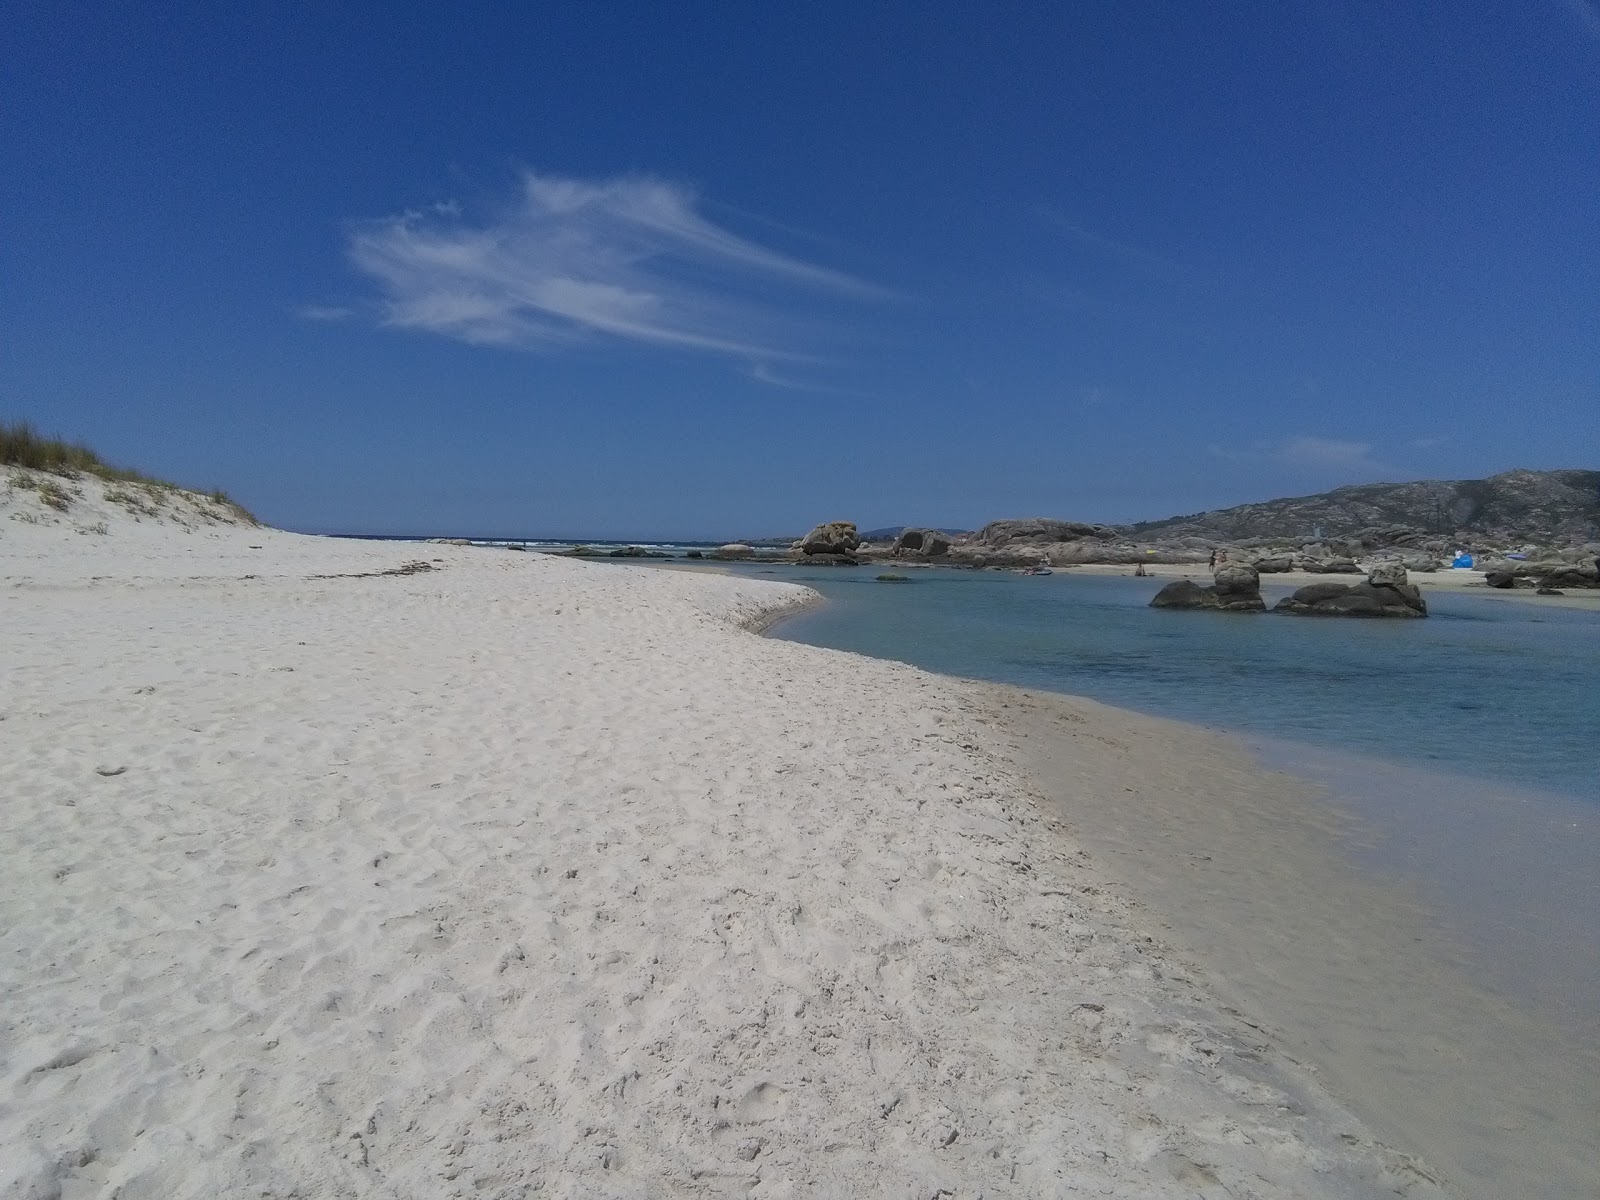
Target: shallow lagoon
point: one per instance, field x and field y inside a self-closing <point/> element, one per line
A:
<point x="1499" y="690"/>
<point x="1467" y="745"/>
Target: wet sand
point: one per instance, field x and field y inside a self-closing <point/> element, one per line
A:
<point x="1253" y="877"/>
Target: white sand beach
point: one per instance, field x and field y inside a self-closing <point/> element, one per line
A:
<point x="326" y="875"/>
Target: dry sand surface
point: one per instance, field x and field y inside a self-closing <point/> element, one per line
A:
<point x="519" y="876"/>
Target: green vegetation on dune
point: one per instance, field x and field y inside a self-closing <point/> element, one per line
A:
<point x="21" y="446"/>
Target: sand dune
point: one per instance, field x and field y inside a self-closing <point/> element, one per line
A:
<point x="520" y="876"/>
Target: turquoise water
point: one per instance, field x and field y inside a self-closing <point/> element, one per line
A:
<point x="1496" y="689"/>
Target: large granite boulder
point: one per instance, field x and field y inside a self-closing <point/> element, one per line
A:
<point x="1237" y="588"/>
<point x="1235" y="579"/>
<point x="1564" y="574"/>
<point x="831" y="537"/>
<point x="929" y="543"/>
<point x="734" y="550"/>
<point x="1388" y="573"/>
<point x="1329" y="566"/>
<point x="1274" y="563"/>
<point x="1386" y="593"/>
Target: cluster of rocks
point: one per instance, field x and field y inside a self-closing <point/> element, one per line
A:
<point x="609" y="552"/>
<point x="1377" y="550"/>
<point x="1576" y="568"/>
<point x="1236" y="587"/>
<point x="1385" y="593"/>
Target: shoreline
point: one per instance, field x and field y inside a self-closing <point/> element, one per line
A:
<point x="1247" y="870"/>
<point x="555" y="877"/>
<point x="1357" y="971"/>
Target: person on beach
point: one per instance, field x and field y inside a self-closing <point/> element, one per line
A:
<point x="1213" y="563"/>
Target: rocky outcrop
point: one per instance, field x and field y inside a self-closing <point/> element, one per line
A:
<point x="1576" y="569"/>
<point x="1236" y="587"/>
<point x="1037" y="530"/>
<point x="921" y="543"/>
<point x="1330" y="566"/>
<point x="1386" y="593"/>
<point x="831" y="537"/>
<point x="637" y="552"/>
<point x="734" y="551"/>
<point x="1411" y="560"/>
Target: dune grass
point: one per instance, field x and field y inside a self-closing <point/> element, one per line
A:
<point x="22" y="446"/>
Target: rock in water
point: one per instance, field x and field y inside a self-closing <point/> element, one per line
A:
<point x="1237" y="589"/>
<point x="927" y="542"/>
<point x="1183" y="593"/>
<point x="734" y="550"/>
<point x="1388" y="573"/>
<point x="1236" y="579"/>
<point x="831" y="537"/>
<point x="1386" y="593"/>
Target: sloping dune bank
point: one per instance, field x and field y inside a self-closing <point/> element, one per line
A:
<point x="331" y="874"/>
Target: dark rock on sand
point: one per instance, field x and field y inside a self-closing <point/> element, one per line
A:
<point x="1272" y="564"/>
<point x="1500" y="579"/>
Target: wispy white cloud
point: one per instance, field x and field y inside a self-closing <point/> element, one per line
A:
<point x="1588" y="15"/>
<point x="568" y="259"/>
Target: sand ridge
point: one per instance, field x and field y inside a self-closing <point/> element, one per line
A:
<point x="520" y="876"/>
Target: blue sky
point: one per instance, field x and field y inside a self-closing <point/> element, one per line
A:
<point x="709" y="270"/>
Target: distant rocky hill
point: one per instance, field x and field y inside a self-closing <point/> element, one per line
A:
<point x="1559" y="507"/>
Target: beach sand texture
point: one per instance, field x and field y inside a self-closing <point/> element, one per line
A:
<point x="519" y="876"/>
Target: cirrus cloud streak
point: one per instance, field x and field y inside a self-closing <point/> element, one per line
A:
<point x="570" y="260"/>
